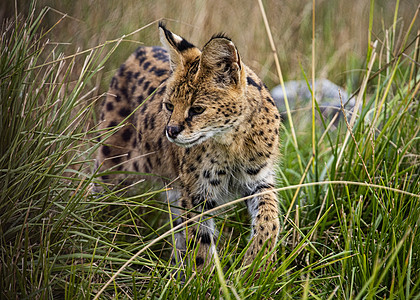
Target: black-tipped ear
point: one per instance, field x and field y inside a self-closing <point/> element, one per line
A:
<point x="221" y="60"/>
<point x="175" y="44"/>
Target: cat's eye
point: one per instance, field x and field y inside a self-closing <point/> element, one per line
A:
<point x="169" y="106"/>
<point x="196" y="110"/>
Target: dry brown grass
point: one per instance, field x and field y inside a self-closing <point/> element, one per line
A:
<point x="341" y="30"/>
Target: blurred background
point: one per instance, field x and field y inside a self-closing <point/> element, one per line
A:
<point x="341" y="30"/>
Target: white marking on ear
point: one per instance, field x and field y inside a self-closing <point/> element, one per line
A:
<point x="164" y="40"/>
<point x="174" y="56"/>
<point x="177" y="38"/>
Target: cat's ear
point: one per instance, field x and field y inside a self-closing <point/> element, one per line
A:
<point x="177" y="46"/>
<point x="220" y="59"/>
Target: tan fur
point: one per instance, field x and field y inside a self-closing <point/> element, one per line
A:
<point x="206" y="120"/>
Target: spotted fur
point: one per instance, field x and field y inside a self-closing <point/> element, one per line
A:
<point x="203" y="119"/>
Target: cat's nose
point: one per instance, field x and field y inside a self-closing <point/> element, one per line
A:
<point x="173" y="131"/>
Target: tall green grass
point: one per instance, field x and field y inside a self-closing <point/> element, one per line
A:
<point x="349" y="230"/>
<point x="44" y="155"/>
